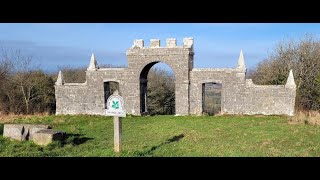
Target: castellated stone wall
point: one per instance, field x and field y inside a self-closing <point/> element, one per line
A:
<point x="71" y="98"/>
<point x="88" y="97"/>
<point x="267" y="99"/>
<point x="238" y="94"/>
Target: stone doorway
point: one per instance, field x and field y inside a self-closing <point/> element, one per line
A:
<point x="211" y="98"/>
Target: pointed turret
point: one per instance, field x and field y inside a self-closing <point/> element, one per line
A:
<point x="60" y="80"/>
<point x="290" y="80"/>
<point x="241" y="64"/>
<point x="93" y="64"/>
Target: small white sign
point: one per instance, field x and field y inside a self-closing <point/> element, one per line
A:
<point x="115" y="106"/>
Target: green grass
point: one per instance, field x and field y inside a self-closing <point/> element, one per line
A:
<point x="167" y="136"/>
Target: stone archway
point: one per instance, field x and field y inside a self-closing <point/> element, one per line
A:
<point x="141" y="59"/>
<point x="144" y="86"/>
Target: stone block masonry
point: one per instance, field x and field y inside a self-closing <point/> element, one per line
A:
<point x="40" y="134"/>
<point x="46" y="136"/>
<point x="238" y="95"/>
<point x="22" y="132"/>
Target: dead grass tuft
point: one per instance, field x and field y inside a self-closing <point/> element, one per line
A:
<point x="306" y="117"/>
<point x="6" y="118"/>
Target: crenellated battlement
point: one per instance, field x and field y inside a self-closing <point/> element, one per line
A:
<point x="170" y="43"/>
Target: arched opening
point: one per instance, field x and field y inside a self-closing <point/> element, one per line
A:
<point x="109" y="88"/>
<point x="211" y="98"/>
<point x="157" y="89"/>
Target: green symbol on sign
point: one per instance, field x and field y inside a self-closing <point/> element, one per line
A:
<point x="115" y="105"/>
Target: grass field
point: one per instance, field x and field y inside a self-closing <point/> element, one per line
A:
<point x="167" y="136"/>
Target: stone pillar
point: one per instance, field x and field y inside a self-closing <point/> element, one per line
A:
<point x="182" y="99"/>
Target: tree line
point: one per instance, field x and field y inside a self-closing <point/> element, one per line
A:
<point x="24" y="87"/>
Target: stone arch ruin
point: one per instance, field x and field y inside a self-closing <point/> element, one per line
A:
<point x="238" y="94"/>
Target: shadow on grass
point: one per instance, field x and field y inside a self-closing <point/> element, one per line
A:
<point x="76" y="139"/>
<point x="171" y="140"/>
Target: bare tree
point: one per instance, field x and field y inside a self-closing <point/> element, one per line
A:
<point x="5" y="68"/>
<point x="25" y="85"/>
<point x="72" y="74"/>
<point x="161" y="92"/>
<point x="303" y="57"/>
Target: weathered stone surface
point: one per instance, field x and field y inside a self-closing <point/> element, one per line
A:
<point x="154" y="43"/>
<point x="188" y="42"/>
<point x="46" y="136"/>
<point x="14" y="131"/>
<point x="32" y="128"/>
<point x="138" y="43"/>
<point x="238" y="95"/>
<point x="21" y="132"/>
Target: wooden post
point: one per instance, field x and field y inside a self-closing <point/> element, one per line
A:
<point x="115" y="108"/>
<point x="117" y="124"/>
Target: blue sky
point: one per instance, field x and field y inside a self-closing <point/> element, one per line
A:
<point x="216" y="45"/>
